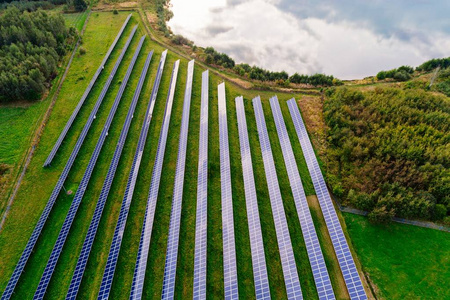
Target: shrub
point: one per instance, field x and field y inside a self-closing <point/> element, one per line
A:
<point x="381" y="215"/>
<point x="181" y="40"/>
<point x="440" y="211"/>
<point x="402" y="76"/>
<point x="387" y="147"/>
<point x="381" y="75"/>
<point x="82" y="51"/>
<point x="116" y="12"/>
<point x="446" y="221"/>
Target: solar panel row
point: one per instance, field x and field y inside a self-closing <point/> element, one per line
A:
<point x="229" y="248"/>
<point x="144" y="243"/>
<point x="61" y="137"/>
<point x="57" y="249"/>
<point x="43" y="218"/>
<point x="89" y="239"/>
<point x="316" y="260"/>
<point x="170" y="270"/>
<point x="341" y="248"/>
<point x="113" y="255"/>
<point x="289" y="267"/>
<point x="262" y="289"/>
<point x="201" y="221"/>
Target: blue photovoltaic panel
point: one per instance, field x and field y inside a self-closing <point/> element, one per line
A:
<point x="229" y="248"/>
<point x="170" y="269"/>
<point x="48" y="207"/>
<point x="316" y="260"/>
<point x="57" y="249"/>
<point x="262" y="289"/>
<point x="341" y="248"/>
<point x="288" y="265"/>
<point x="52" y="154"/>
<point x="113" y="255"/>
<point x="87" y="245"/>
<point x="199" y="286"/>
<point x="146" y="234"/>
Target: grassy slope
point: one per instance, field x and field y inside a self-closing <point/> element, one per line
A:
<point x="38" y="183"/>
<point x="31" y="200"/>
<point x="404" y="262"/>
<point x="16" y="123"/>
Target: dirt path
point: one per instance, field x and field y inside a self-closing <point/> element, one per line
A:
<point x="40" y="129"/>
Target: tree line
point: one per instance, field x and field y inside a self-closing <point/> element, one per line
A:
<point x="31" y="45"/>
<point x="78" y="5"/>
<point x="404" y="73"/>
<point x="257" y="73"/>
<point x="389" y="151"/>
<point x="164" y="14"/>
<point x="434" y="63"/>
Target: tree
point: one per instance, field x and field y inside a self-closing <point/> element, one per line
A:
<point x="440" y="211"/>
<point x="80" y="5"/>
<point x="381" y="215"/>
<point x="402" y="76"/>
<point x="31" y="44"/>
<point x="381" y="75"/>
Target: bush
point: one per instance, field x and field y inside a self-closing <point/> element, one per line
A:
<point x="402" y="76"/>
<point x="440" y="211"/>
<point x="181" y="40"/>
<point x="381" y="215"/>
<point x="388" y="148"/>
<point x="116" y="12"/>
<point x="403" y="73"/>
<point x="444" y="87"/>
<point x="82" y="51"/>
<point x="381" y="75"/>
<point x="446" y="221"/>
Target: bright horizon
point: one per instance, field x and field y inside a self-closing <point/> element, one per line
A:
<point x="350" y="40"/>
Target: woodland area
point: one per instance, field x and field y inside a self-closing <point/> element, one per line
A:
<point x="389" y="151"/>
<point x="31" y="45"/>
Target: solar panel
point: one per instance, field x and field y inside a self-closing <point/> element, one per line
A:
<point x="316" y="260"/>
<point x="89" y="239"/>
<point x="262" y="289"/>
<point x="229" y="248"/>
<point x="288" y="265"/>
<point x="341" y="248"/>
<point x="144" y="243"/>
<point x="199" y="287"/>
<point x="48" y="207"/>
<point x="57" y="249"/>
<point x="61" y="137"/>
<point x="170" y="270"/>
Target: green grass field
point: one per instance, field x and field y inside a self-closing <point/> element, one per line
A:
<point x="38" y="182"/>
<point x="76" y="19"/>
<point x="403" y="261"/>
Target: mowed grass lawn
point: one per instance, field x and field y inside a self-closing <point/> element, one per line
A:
<point x="403" y="261"/>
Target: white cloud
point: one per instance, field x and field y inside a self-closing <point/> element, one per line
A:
<point x="258" y="32"/>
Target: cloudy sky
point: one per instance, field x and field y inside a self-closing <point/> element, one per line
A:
<point x="346" y="38"/>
